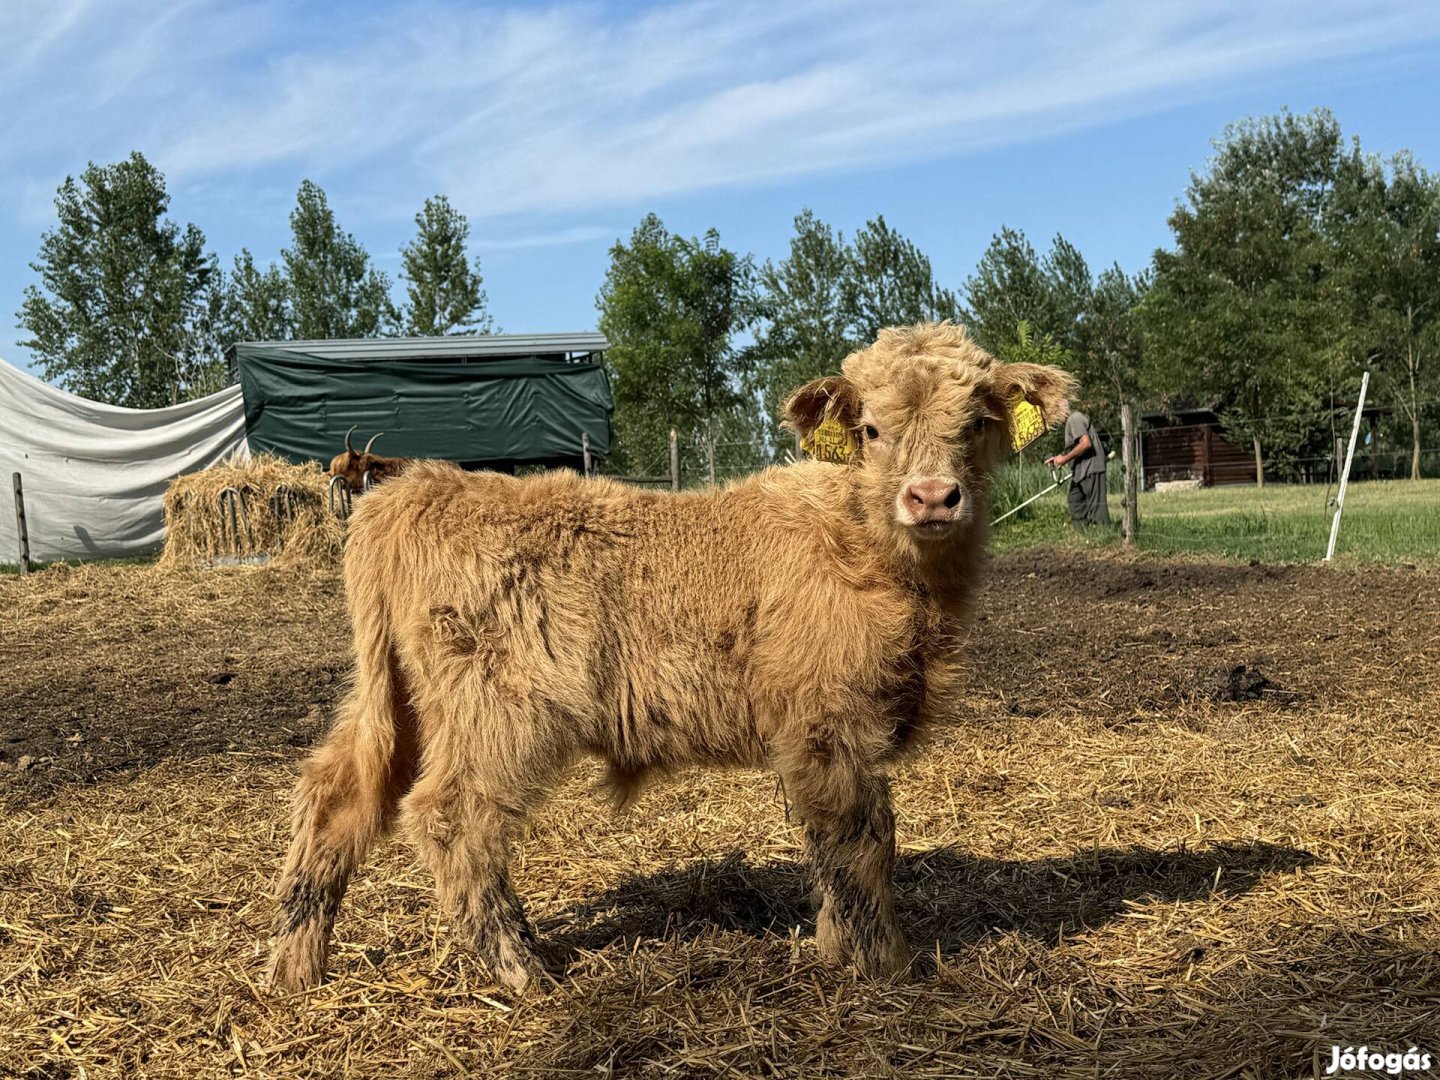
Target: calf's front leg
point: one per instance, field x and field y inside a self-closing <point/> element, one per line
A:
<point x="850" y="841"/>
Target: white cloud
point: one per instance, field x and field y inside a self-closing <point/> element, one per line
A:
<point x="567" y="107"/>
<point x="578" y="234"/>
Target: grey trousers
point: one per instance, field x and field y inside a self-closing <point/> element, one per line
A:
<point x="1087" y="501"/>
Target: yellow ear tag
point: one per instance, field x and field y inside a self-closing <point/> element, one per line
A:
<point x="1026" y="425"/>
<point x="830" y="441"/>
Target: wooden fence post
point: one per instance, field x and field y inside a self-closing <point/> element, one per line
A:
<point x="21" y="532"/>
<point x="1131" y="518"/>
<point x="674" y="460"/>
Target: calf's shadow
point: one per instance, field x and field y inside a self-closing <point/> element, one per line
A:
<point x="943" y="896"/>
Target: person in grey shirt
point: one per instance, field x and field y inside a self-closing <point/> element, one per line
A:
<point x="1085" y="453"/>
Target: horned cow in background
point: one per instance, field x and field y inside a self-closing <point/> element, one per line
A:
<point x="805" y="618"/>
<point x="353" y="464"/>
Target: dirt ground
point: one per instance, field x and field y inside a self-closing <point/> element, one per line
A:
<point x="1187" y="824"/>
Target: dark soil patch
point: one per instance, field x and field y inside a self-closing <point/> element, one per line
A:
<point x="112" y="669"/>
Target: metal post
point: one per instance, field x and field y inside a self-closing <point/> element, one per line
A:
<point x="585" y="450"/>
<point x="1132" y="489"/>
<point x="340" y="497"/>
<point x="232" y="499"/>
<point x="21" y="532"/>
<point x="674" y="460"/>
<point x="1345" y="476"/>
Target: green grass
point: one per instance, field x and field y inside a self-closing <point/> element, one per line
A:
<point x="1386" y="521"/>
<point x="135" y="560"/>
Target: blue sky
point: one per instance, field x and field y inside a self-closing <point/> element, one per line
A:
<point x="556" y="126"/>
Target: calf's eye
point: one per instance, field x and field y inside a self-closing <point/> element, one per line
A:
<point x="978" y="425"/>
<point x="871" y="434"/>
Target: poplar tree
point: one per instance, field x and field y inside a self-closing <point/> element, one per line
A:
<point x="442" y="285"/>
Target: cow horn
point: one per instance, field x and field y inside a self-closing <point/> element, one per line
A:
<point x="372" y="441"/>
<point x="348" y="448"/>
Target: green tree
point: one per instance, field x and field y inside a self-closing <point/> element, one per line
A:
<point x="334" y="291"/>
<point x="802" y="325"/>
<point x="829" y="297"/>
<point x="1087" y="324"/>
<point x="1386" y="227"/>
<point x="120" y="314"/>
<point x="1032" y="348"/>
<point x="1243" y="308"/>
<point x="670" y="307"/>
<point x="889" y="282"/>
<point x="258" y="306"/>
<point x="443" y="287"/>
<point x="1107" y="350"/>
<point x="1069" y="293"/>
<point x="1008" y="287"/>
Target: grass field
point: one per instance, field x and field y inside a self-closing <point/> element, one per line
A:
<point x="1392" y="522"/>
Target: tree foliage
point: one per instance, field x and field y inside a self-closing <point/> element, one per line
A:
<point x="670" y="307"/>
<point x="124" y="312"/>
<point x="1019" y="302"/>
<point x="1008" y="287"/>
<point x="802" y="322"/>
<point x="334" y="291"/>
<point x="1243" y="311"/>
<point x="889" y="282"/>
<point x="828" y="297"/>
<point x="1385" y="226"/>
<point x="257" y="302"/>
<point x="443" y="287"/>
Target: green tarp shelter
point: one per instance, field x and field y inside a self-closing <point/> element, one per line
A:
<point x="495" y="401"/>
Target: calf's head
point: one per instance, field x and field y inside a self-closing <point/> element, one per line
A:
<point x="354" y="464"/>
<point x="927" y="413"/>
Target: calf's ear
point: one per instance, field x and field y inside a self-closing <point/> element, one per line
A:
<point x="831" y="407"/>
<point x="1044" y="386"/>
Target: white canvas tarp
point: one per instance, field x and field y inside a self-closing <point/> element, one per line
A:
<point x="94" y="475"/>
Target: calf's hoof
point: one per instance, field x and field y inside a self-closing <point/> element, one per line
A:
<point x="884" y="960"/>
<point x="296" y="964"/>
<point x="518" y="970"/>
<point x="830" y="942"/>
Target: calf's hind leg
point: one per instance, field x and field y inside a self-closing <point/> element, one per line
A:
<point x="464" y="813"/>
<point x="347" y="794"/>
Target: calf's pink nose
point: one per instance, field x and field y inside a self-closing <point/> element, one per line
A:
<point x="931" y="500"/>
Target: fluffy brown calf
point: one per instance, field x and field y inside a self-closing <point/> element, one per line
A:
<point x="354" y="464"/>
<point x="804" y="619"/>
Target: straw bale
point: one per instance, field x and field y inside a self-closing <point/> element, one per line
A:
<point x="198" y="532"/>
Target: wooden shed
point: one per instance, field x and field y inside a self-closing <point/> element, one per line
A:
<point x="1191" y="444"/>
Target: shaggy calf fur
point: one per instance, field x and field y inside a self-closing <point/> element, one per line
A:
<point x="804" y="619"/>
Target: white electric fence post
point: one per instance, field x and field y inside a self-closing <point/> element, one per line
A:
<point x="1345" y="476"/>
